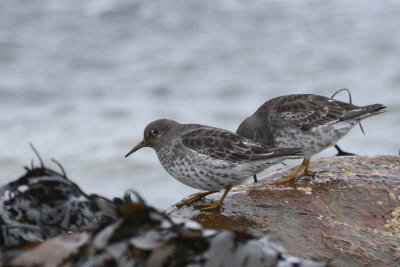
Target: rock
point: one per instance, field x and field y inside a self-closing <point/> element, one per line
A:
<point x="347" y="215"/>
<point x="143" y="236"/>
<point x="47" y="220"/>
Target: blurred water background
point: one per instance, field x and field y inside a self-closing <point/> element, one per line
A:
<point x="81" y="79"/>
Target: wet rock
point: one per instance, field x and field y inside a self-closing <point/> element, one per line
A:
<point x="347" y="215"/>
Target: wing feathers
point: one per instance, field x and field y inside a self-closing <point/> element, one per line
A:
<point x="224" y="145"/>
<point x="309" y="111"/>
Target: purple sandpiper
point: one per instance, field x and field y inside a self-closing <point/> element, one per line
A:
<point x="310" y="122"/>
<point x="208" y="158"/>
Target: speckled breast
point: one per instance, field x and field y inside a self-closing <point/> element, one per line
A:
<point x="203" y="172"/>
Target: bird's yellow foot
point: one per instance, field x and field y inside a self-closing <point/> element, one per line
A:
<point x="214" y="206"/>
<point x="286" y="180"/>
<point x="292" y="176"/>
<point x="307" y="171"/>
<point x="193" y="199"/>
<point x="209" y="206"/>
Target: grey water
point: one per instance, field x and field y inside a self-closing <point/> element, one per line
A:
<point x="81" y="79"/>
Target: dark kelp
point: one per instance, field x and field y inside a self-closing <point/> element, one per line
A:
<point x="143" y="236"/>
<point x="44" y="203"/>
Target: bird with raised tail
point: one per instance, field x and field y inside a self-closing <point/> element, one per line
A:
<point x="310" y="122"/>
<point x="208" y="158"/>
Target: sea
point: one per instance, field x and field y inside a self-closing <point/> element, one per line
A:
<point x="81" y="79"/>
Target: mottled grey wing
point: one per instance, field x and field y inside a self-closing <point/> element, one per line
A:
<point x="224" y="145"/>
<point x="309" y="111"/>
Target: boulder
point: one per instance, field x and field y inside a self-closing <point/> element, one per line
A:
<point x="348" y="214"/>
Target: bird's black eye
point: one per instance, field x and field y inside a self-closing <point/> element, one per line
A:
<point x="154" y="132"/>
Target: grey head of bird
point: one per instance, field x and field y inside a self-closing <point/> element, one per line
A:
<point x="250" y="127"/>
<point x="155" y="134"/>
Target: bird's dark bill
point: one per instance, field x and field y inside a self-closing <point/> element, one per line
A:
<point x="137" y="147"/>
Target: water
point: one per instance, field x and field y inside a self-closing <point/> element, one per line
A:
<point x="81" y="79"/>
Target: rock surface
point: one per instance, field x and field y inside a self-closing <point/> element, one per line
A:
<point x="348" y="214"/>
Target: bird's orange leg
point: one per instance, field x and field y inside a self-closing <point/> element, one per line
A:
<point x="194" y="198"/>
<point x="292" y="176"/>
<point x="215" y="206"/>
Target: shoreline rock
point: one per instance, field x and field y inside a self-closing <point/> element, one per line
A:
<point x="47" y="220"/>
<point x="347" y="215"/>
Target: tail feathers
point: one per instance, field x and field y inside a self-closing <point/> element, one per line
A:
<point x="291" y="153"/>
<point x="365" y="112"/>
<point x="375" y="109"/>
<point x="295" y="152"/>
<point x="287" y="153"/>
<point x="372" y="110"/>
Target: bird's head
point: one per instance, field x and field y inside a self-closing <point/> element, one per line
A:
<point x="155" y="134"/>
<point x="249" y="128"/>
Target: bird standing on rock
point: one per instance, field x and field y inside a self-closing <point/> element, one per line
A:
<point x="310" y="122"/>
<point x="208" y="158"/>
